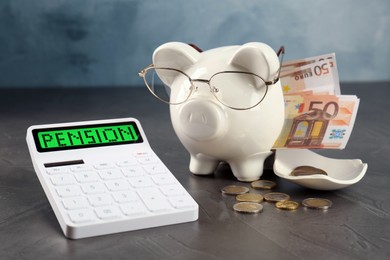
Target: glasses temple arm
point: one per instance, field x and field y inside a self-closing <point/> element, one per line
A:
<point x="280" y="54"/>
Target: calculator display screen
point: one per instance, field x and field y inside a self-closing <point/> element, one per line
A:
<point x="85" y="136"/>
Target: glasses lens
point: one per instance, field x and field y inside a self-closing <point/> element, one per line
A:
<point x="238" y="90"/>
<point x="169" y="85"/>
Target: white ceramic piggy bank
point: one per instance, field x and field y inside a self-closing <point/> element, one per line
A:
<point x="227" y="105"/>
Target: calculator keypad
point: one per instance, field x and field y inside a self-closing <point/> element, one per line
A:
<point x="139" y="185"/>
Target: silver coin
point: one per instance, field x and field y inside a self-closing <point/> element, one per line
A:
<point x="248" y="207"/>
<point x="234" y="190"/>
<point x="276" y="196"/>
<point x="317" y="203"/>
<point x="250" y="197"/>
<point x="263" y="184"/>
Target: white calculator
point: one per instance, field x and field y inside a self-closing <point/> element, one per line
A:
<point x="102" y="177"/>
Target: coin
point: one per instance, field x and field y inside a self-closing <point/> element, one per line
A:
<point x="263" y="184"/>
<point x="307" y="170"/>
<point x="317" y="203"/>
<point x="234" y="190"/>
<point x="248" y="207"/>
<point x="287" y="204"/>
<point x="276" y="196"/>
<point x="250" y="197"/>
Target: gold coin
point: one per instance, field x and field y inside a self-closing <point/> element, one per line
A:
<point x="248" y="207"/>
<point x="276" y="196"/>
<point x="263" y="184"/>
<point x="250" y="197"/>
<point x="287" y="204"/>
<point x="317" y="203"/>
<point x="307" y="170"/>
<point x="234" y="190"/>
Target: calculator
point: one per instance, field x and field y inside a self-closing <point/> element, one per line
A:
<point x="102" y="177"/>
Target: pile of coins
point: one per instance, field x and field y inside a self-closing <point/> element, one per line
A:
<point x="248" y="202"/>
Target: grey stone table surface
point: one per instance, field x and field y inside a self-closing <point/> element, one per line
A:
<point x="357" y="226"/>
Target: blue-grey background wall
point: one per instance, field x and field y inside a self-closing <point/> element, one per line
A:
<point x="105" y="42"/>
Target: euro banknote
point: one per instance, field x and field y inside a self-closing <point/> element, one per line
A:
<point x="318" y="73"/>
<point x="323" y="121"/>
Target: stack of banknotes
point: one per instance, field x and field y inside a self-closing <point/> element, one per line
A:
<point x="316" y="114"/>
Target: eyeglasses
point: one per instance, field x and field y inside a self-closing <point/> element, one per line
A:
<point x="175" y="87"/>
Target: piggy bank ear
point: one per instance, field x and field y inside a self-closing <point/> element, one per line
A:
<point x="257" y="58"/>
<point x="175" y="55"/>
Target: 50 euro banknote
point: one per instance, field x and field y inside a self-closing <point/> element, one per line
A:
<point x="317" y="73"/>
<point x="317" y="121"/>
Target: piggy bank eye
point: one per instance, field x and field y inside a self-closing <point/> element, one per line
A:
<point x="169" y="85"/>
<point x="238" y="90"/>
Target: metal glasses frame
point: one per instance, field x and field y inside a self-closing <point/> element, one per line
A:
<point x="213" y="90"/>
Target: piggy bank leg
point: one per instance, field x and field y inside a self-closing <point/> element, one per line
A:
<point x="203" y="165"/>
<point x="250" y="168"/>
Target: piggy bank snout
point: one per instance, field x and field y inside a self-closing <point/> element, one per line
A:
<point x="202" y="120"/>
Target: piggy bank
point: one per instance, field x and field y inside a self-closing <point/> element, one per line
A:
<point x="226" y="104"/>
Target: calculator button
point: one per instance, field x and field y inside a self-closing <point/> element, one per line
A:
<point x="75" y="203"/>
<point x="154" y="168"/>
<point x="127" y="163"/>
<point x="68" y="191"/>
<point x="88" y="176"/>
<point x="147" y="160"/>
<point x="140" y="182"/>
<point x="172" y="190"/>
<point x="110" y="174"/>
<point x="93" y="188"/>
<point x="181" y="202"/>
<point x="125" y="196"/>
<point x="117" y="185"/>
<point x="81" y="216"/>
<point x="108" y="212"/>
<point x="63" y="179"/>
<point x="134" y="208"/>
<point x="81" y="168"/>
<point x="154" y="199"/>
<point x="163" y="179"/>
<point x="57" y="170"/>
<point x="102" y="166"/>
<point x="133" y="171"/>
<point x="100" y="200"/>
